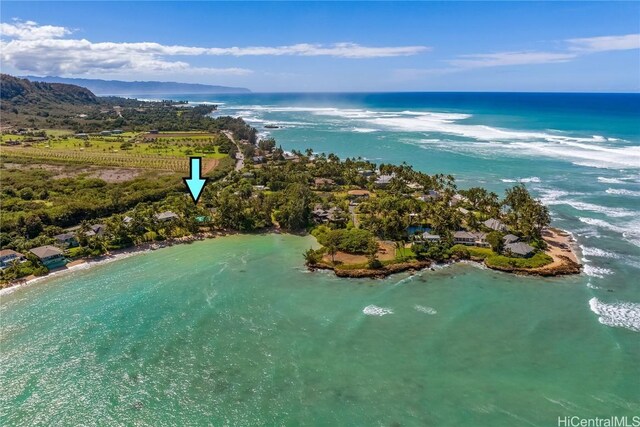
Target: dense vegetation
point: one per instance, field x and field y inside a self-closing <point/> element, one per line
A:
<point x="37" y="105"/>
<point x="48" y="186"/>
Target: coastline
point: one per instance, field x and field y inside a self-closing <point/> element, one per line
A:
<point x="562" y="264"/>
<point x="561" y="247"/>
<point x="85" y="263"/>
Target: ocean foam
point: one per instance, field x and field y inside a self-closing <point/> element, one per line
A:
<point x="594" y="271"/>
<point x="608" y="211"/>
<point x="593" y="151"/>
<point x="363" y="130"/>
<point x="525" y="180"/>
<point x="621" y="180"/>
<point x="426" y="310"/>
<point x="374" y="310"/>
<point x="555" y="197"/>
<point x="611" y="180"/>
<point x="597" y="252"/>
<point x="631" y="232"/>
<point x="622" y="192"/>
<point x="620" y="314"/>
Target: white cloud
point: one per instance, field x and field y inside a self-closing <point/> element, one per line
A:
<point x="340" y="50"/>
<point x="43" y="49"/>
<point x="500" y="59"/>
<point x="75" y="57"/>
<point x="605" y="43"/>
<point x="576" y="48"/>
<point x="29" y="30"/>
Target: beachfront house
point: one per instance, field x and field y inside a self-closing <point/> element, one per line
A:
<point x="510" y="238"/>
<point x="166" y="216"/>
<point x="519" y="249"/>
<point x="470" y="238"/>
<point x="430" y="195"/>
<point x="383" y="181"/>
<point x="495" y="224"/>
<point x="66" y="240"/>
<point x="430" y="238"/>
<point x="464" y="238"/>
<point x="456" y="199"/>
<point x="50" y="256"/>
<point x="333" y="215"/>
<point x="96" y="230"/>
<point x="365" y="172"/>
<point x="481" y="239"/>
<point x="8" y="257"/>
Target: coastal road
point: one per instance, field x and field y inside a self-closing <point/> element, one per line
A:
<point x="239" y="155"/>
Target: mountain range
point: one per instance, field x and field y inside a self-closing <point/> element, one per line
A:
<point x="119" y="87"/>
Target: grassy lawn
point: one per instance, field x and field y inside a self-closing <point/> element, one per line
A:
<point x="474" y="251"/>
<point x="493" y="259"/>
<point x="538" y="260"/>
<point x="403" y="254"/>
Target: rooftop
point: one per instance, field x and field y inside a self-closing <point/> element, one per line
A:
<point x="46" y="251"/>
<point x="494" y="224"/>
<point x="8" y="252"/>
<point x="519" y="248"/>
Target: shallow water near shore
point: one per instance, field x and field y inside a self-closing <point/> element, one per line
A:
<point x="236" y="331"/>
<point x="190" y="333"/>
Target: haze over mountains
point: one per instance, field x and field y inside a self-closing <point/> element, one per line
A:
<point x="119" y="87"/>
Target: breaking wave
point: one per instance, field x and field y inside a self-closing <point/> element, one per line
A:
<point x="630" y="233"/>
<point x="374" y="310"/>
<point x="622" y="192"/>
<point x="593" y="151"/>
<point x="597" y="252"/>
<point x="426" y="310"/>
<point x="531" y="179"/>
<point x="594" y="271"/>
<point x="619" y="314"/>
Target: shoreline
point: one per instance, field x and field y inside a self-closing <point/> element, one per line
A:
<point x="562" y="264"/>
<point x="118" y="254"/>
<point x="561" y="247"/>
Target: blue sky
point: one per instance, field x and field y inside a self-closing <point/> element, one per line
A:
<point x="295" y="46"/>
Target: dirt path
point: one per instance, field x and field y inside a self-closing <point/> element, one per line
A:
<point x="209" y="165"/>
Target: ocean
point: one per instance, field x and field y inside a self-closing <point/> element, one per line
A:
<point x="235" y="331"/>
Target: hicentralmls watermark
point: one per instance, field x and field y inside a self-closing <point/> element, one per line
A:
<point x="613" y="421"/>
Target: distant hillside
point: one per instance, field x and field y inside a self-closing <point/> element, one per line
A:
<point x="117" y="87"/>
<point x="27" y="104"/>
<point x="21" y="92"/>
<point x="37" y="105"/>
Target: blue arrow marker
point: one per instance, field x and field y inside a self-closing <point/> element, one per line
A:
<point x="195" y="183"/>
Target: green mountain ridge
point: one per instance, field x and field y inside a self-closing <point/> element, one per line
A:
<point x="21" y="91"/>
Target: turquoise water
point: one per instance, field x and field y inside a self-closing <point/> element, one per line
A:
<point x="234" y="331"/>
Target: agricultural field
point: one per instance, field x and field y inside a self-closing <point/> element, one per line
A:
<point x="166" y="151"/>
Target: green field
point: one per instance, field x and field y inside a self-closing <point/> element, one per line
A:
<point x="125" y="150"/>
